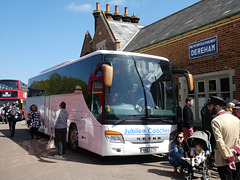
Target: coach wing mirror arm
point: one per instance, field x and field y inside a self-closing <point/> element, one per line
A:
<point x="187" y="75"/>
<point x="107" y="73"/>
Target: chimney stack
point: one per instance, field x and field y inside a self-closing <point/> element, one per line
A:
<point x="117" y="16"/>
<point x="126" y="17"/>
<point x="134" y="19"/>
<point x="108" y="13"/>
<point x="96" y="14"/>
<point x="116" y="9"/>
<point x="98" y="6"/>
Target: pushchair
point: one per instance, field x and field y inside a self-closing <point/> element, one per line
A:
<point x="203" y="138"/>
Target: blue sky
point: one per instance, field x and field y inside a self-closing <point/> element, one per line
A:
<point x="38" y="34"/>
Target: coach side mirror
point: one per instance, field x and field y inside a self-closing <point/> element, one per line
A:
<point x="187" y="75"/>
<point x="189" y="78"/>
<point x="107" y="75"/>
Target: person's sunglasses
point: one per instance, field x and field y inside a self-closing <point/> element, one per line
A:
<point x="180" y="137"/>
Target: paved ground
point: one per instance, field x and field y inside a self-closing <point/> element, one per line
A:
<point x="24" y="159"/>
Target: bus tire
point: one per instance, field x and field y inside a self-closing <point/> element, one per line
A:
<point x="73" y="137"/>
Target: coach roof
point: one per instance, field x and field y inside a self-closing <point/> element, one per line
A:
<point x="101" y="52"/>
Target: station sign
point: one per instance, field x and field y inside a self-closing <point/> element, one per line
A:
<point x="203" y="48"/>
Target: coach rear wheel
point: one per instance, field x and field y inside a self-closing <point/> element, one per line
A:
<point x="73" y="137"/>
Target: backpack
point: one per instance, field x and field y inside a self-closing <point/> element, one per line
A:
<point x="13" y="111"/>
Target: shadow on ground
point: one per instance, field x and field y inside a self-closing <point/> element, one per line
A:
<point x="37" y="148"/>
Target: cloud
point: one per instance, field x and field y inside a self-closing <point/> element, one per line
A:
<point x="80" y="8"/>
<point x="118" y="2"/>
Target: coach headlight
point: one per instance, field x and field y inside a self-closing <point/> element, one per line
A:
<point x="114" y="137"/>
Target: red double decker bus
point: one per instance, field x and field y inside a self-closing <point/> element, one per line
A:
<point x="12" y="90"/>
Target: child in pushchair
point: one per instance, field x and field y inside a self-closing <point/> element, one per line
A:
<point x="199" y="150"/>
<point x="197" y="154"/>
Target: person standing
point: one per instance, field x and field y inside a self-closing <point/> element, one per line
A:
<point x="236" y="110"/>
<point x="13" y="113"/>
<point x="226" y="130"/>
<point x="3" y="112"/>
<point x="207" y="118"/>
<point x="150" y="100"/>
<point x="188" y="118"/>
<point x="6" y="112"/>
<point x="35" y="116"/>
<point x="60" y="126"/>
<point x="230" y="107"/>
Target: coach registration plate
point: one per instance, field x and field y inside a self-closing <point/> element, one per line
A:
<point x="148" y="149"/>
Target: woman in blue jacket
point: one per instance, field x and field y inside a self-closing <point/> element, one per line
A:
<point x="177" y="152"/>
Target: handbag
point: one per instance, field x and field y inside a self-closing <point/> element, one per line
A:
<point x="51" y="143"/>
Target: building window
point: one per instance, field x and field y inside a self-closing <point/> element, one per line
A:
<point x="201" y="87"/>
<point x="212" y="87"/>
<point x="101" y="45"/>
<point x="225" y="89"/>
<point x="206" y="85"/>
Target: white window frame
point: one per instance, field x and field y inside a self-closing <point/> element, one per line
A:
<point x="206" y="77"/>
<point x="101" y="45"/>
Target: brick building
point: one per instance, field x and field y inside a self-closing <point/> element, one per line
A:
<point x="203" y="38"/>
<point x="112" y="30"/>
